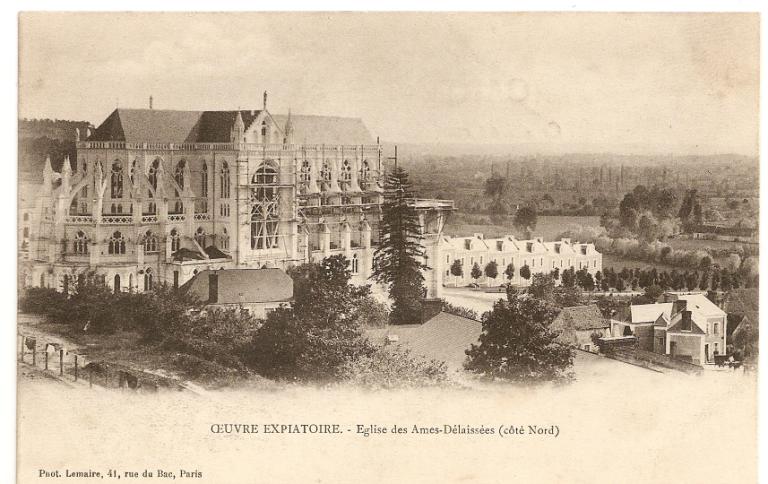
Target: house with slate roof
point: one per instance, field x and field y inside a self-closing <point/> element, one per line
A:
<point x="686" y="326"/>
<point x="577" y="324"/>
<point x="258" y="291"/>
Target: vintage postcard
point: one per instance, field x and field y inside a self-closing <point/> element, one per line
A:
<point x="387" y="247"/>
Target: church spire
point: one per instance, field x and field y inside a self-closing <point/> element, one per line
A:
<point x="238" y="129"/>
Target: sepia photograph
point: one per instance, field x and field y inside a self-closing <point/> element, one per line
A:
<point x="368" y="247"/>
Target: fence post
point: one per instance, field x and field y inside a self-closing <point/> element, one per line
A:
<point x="34" y="354"/>
<point x="90" y="377"/>
<point x="46" y="359"/>
<point x="61" y="362"/>
<point x="21" y="354"/>
<point x="75" y="366"/>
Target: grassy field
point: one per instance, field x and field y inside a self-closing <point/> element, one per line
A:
<point x="618" y="264"/>
<point x="688" y="244"/>
<point x="548" y="227"/>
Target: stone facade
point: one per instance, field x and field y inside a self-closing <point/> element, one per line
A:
<point x="540" y="257"/>
<point x="158" y="196"/>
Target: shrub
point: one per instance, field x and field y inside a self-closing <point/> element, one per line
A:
<point x="393" y="367"/>
<point x="460" y="311"/>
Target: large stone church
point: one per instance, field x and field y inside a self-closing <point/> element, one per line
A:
<point x="158" y="195"/>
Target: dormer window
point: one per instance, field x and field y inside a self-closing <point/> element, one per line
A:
<point x="499" y="245"/>
<point x="468" y="244"/>
<point x="557" y="248"/>
<point x="529" y="246"/>
<point x="584" y="250"/>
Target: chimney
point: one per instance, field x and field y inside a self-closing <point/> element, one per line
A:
<point x="686" y="321"/>
<point x="213" y="287"/>
<point x="265" y="100"/>
<point x="680" y="305"/>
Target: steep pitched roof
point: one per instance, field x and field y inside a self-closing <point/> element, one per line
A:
<point x="237" y="286"/>
<point x="330" y="130"/>
<point x="649" y="313"/>
<point x="444" y="338"/>
<point x="149" y="125"/>
<point x="171" y="126"/>
<point x="580" y="318"/>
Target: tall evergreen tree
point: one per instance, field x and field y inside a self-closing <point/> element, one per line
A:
<point x="398" y="261"/>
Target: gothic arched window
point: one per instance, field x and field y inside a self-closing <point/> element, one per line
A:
<point x="80" y="244"/>
<point x="116" y="184"/>
<point x="225" y="239"/>
<point x="148" y="279"/>
<point x="225" y="180"/>
<point x="204" y="181"/>
<point x="178" y="174"/>
<point x="200" y="237"/>
<point x="175" y="240"/>
<point x="306" y="169"/>
<point x="152" y="176"/>
<point x="355" y="264"/>
<point x="346" y="172"/>
<point x="117" y="243"/>
<point x="365" y="170"/>
<point x="325" y="173"/>
<point x="150" y="242"/>
<point x="264" y="219"/>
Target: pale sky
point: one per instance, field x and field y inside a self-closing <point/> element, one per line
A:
<point x="665" y="81"/>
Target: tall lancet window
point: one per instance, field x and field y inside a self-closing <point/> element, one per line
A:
<point x="116" y="185"/>
<point x="80" y="244"/>
<point x="264" y="214"/>
<point x="346" y="172"/>
<point x="225" y="180"/>
<point x="204" y="181"/>
<point x="152" y="176"/>
<point x="365" y="171"/>
<point x="306" y="169"/>
<point x="178" y="174"/>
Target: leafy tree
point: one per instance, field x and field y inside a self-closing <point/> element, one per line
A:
<point x="457" y="269"/>
<point x="517" y="343"/>
<point x="525" y="272"/>
<point x="715" y="283"/>
<point x="476" y="273"/>
<point x="397" y="260"/>
<point x="653" y="292"/>
<point x="315" y="338"/>
<point x="620" y="285"/>
<point x="704" y="282"/>
<point x="525" y="218"/>
<point x="510" y="271"/>
<point x="491" y="270"/>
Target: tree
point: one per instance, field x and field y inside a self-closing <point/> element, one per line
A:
<point x="525" y="272"/>
<point x="510" y="271"/>
<point x="320" y="333"/>
<point x="653" y="293"/>
<point x="525" y="218"/>
<point x="620" y="285"/>
<point x="704" y="282"/>
<point x="457" y="270"/>
<point x="397" y="260"/>
<point x="476" y="272"/>
<point x="517" y="343"/>
<point x="491" y="270"/>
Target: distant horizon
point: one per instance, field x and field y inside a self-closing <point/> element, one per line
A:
<point x="680" y="81"/>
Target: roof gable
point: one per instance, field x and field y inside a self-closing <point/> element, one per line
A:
<point x="237" y="286"/>
<point x="580" y="318"/>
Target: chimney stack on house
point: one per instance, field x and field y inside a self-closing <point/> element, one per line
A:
<point x="213" y="287"/>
